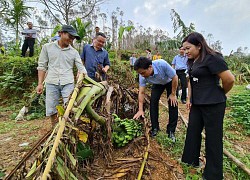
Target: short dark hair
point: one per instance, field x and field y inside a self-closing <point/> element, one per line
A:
<point x="148" y="50"/>
<point x="143" y="63"/>
<point x="100" y="34"/>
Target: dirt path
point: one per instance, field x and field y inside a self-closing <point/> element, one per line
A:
<point x="19" y="139"/>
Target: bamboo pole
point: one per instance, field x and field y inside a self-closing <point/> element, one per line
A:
<point x="62" y="122"/>
<point x="226" y="152"/>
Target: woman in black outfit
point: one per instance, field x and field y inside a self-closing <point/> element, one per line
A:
<point x="206" y="102"/>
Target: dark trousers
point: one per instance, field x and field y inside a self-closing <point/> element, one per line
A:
<point x="183" y="79"/>
<point x="156" y="93"/>
<point x="210" y="117"/>
<point x="28" y="43"/>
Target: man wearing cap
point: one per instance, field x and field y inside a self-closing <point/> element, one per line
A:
<point x="95" y="58"/>
<point x="57" y="60"/>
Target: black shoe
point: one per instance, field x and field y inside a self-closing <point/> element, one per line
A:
<point x="171" y="136"/>
<point x="183" y="101"/>
<point x="154" y="132"/>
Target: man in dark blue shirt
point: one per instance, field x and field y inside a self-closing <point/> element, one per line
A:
<point x="95" y="58"/>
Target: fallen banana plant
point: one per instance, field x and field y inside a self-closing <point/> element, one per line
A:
<point x="82" y="133"/>
<point x="64" y="149"/>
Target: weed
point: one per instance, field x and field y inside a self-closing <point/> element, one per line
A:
<point x="6" y="126"/>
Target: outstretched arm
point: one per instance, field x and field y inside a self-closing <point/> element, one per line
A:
<point x="141" y="97"/>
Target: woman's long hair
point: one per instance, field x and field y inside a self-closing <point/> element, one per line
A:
<point x="197" y="39"/>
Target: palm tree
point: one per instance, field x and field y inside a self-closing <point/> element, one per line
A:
<point x="16" y="15"/>
<point x="82" y="30"/>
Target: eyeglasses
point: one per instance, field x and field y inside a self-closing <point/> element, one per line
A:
<point x="100" y="41"/>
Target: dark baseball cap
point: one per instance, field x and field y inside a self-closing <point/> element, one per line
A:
<point x="69" y="29"/>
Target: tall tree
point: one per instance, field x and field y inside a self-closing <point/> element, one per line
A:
<point x="178" y="24"/>
<point x="16" y="15"/>
<point x="69" y="9"/>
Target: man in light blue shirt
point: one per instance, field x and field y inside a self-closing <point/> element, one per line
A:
<point x="162" y="76"/>
<point x="179" y="63"/>
<point x="132" y="60"/>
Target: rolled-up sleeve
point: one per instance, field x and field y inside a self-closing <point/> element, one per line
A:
<point x="43" y="60"/>
<point x="79" y="64"/>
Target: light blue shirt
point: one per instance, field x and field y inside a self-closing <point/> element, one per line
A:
<point x="132" y="60"/>
<point x="163" y="73"/>
<point x="180" y="62"/>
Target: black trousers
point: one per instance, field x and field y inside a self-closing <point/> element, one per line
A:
<point x="210" y="117"/>
<point x="28" y="43"/>
<point x="156" y="93"/>
<point x="183" y="79"/>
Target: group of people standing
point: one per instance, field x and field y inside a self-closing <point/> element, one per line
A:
<point x="205" y="99"/>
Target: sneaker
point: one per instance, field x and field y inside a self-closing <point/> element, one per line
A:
<point x="183" y="101"/>
<point x="171" y="136"/>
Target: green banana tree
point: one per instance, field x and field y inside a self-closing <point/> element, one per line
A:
<point x="122" y="29"/>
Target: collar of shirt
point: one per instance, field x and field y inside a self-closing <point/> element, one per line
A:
<point x="92" y="45"/>
<point x="66" y="48"/>
<point x="156" y="72"/>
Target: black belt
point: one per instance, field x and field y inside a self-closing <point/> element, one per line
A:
<point x="181" y="70"/>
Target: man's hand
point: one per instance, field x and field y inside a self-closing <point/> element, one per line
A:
<point x="39" y="89"/>
<point x="173" y="100"/>
<point x="138" y="115"/>
<point x="105" y="69"/>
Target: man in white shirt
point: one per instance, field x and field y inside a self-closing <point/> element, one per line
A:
<point x="29" y="41"/>
<point x="58" y="59"/>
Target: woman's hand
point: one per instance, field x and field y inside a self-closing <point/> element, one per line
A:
<point x="188" y="104"/>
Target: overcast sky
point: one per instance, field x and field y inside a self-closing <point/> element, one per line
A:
<point x="227" y="20"/>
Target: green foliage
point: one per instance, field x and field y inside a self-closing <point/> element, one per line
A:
<point x="121" y="73"/>
<point x="112" y="54"/>
<point x="11" y="83"/>
<point x="16" y="75"/>
<point x="178" y="24"/>
<point x="235" y="171"/>
<point x="240" y="67"/>
<point x="84" y="152"/>
<point x="125" y="130"/>
<point x="240" y="104"/>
